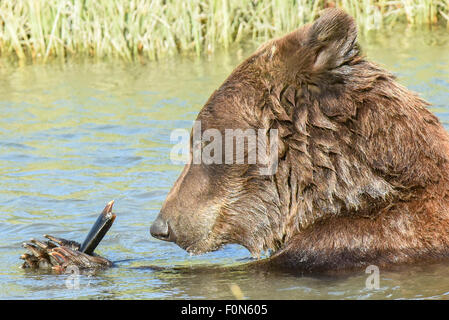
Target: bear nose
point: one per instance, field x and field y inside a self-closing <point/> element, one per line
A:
<point x="160" y="229"/>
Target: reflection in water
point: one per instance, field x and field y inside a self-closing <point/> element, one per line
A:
<point x="77" y="135"/>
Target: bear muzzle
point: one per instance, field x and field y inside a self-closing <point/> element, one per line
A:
<point x="160" y="229"/>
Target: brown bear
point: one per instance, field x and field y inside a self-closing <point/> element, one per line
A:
<point x="362" y="167"/>
<point x="362" y="172"/>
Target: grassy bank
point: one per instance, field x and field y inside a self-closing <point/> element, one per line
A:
<point x="134" y="29"/>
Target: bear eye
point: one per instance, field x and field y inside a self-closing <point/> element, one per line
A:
<point x="204" y="144"/>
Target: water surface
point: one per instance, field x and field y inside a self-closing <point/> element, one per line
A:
<point x="78" y="134"/>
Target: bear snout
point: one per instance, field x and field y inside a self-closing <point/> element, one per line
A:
<point x="160" y="229"/>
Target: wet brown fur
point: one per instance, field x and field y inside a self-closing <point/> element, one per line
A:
<point x="363" y="169"/>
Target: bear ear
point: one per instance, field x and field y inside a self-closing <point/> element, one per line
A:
<point x="333" y="39"/>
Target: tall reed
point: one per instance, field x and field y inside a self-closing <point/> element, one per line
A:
<point x="42" y="29"/>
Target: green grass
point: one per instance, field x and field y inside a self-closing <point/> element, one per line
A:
<point x="143" y="29"/>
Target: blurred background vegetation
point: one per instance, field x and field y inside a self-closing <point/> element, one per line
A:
<point x="37" y="30"/>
